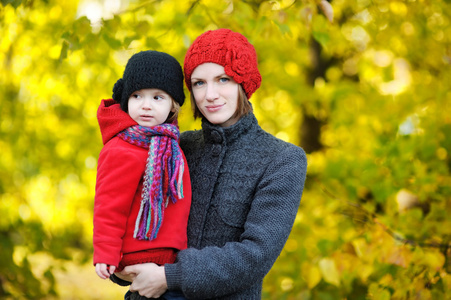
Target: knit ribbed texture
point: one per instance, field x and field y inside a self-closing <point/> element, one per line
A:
<point x="147" y="70"/>
<point x="159" y="256"/>
<point x="228" y="49"/>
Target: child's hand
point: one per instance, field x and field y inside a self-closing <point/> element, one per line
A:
<point x="103" y="271"/>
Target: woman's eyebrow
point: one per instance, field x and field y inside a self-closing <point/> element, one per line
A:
<point x="217" y="76"/>
<point x="222" y="75"/>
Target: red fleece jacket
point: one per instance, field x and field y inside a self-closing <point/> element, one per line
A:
<point x="119" y="183"/>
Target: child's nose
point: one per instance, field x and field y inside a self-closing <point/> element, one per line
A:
<point x="147" y="103"/>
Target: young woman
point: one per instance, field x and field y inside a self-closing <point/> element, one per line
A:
<point x="246" y="184"/>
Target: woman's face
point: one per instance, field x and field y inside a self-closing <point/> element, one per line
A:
<point x="215" y="93"/>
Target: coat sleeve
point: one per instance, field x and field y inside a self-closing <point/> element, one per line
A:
<point x="213" y="272"/>
<point x="118" y="176"/>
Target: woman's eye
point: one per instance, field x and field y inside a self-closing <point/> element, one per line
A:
<point x="224" y="79"/>
<point x="197" y="83"/>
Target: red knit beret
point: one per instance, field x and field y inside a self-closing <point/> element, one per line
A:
<point x="228" y="49"/>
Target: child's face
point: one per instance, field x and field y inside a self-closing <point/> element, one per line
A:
<point x="149" y="107"/>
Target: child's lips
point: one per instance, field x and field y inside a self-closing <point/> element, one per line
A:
<point x="145" y="117"/>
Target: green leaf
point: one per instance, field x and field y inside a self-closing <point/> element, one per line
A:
<point x="64" y="48"/>
<point x="14" y="3"/>
<point x="111" y="41"/>
<point x="320" y="30"/>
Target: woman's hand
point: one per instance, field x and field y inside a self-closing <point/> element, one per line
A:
<point x="125" y="276"/>
<point x="149" y="280"/>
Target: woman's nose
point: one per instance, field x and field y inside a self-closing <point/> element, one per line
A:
<point x="211" y="93"/>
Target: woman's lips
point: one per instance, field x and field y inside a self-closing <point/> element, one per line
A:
<point x="213" y="108"/>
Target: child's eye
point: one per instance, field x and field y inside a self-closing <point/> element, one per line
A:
<point x="137" y="96"/>
<point x="159" y="97"/>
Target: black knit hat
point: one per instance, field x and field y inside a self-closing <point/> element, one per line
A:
<point x="150" y="70"/>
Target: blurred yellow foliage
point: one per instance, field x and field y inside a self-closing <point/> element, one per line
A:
<point x="366" y="95"/>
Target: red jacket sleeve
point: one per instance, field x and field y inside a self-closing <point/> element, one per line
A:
<point x="120" y="169"/>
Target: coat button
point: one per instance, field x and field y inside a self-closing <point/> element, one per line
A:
<point x="216" y="150"/>
<point x="216" y="136"/>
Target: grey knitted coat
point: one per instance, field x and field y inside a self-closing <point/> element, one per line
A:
<point x="247" y="186"/>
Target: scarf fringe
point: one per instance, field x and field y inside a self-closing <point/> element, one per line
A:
<point x="163" y="177"/>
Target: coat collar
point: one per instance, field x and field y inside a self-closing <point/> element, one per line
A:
<point x="112" y="119"/>
<point x="215" y="134"/>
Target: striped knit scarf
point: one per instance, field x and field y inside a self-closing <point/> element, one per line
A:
<point x="162" y="177"/>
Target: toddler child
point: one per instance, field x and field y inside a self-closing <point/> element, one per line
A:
<point x="143" y="188"/>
